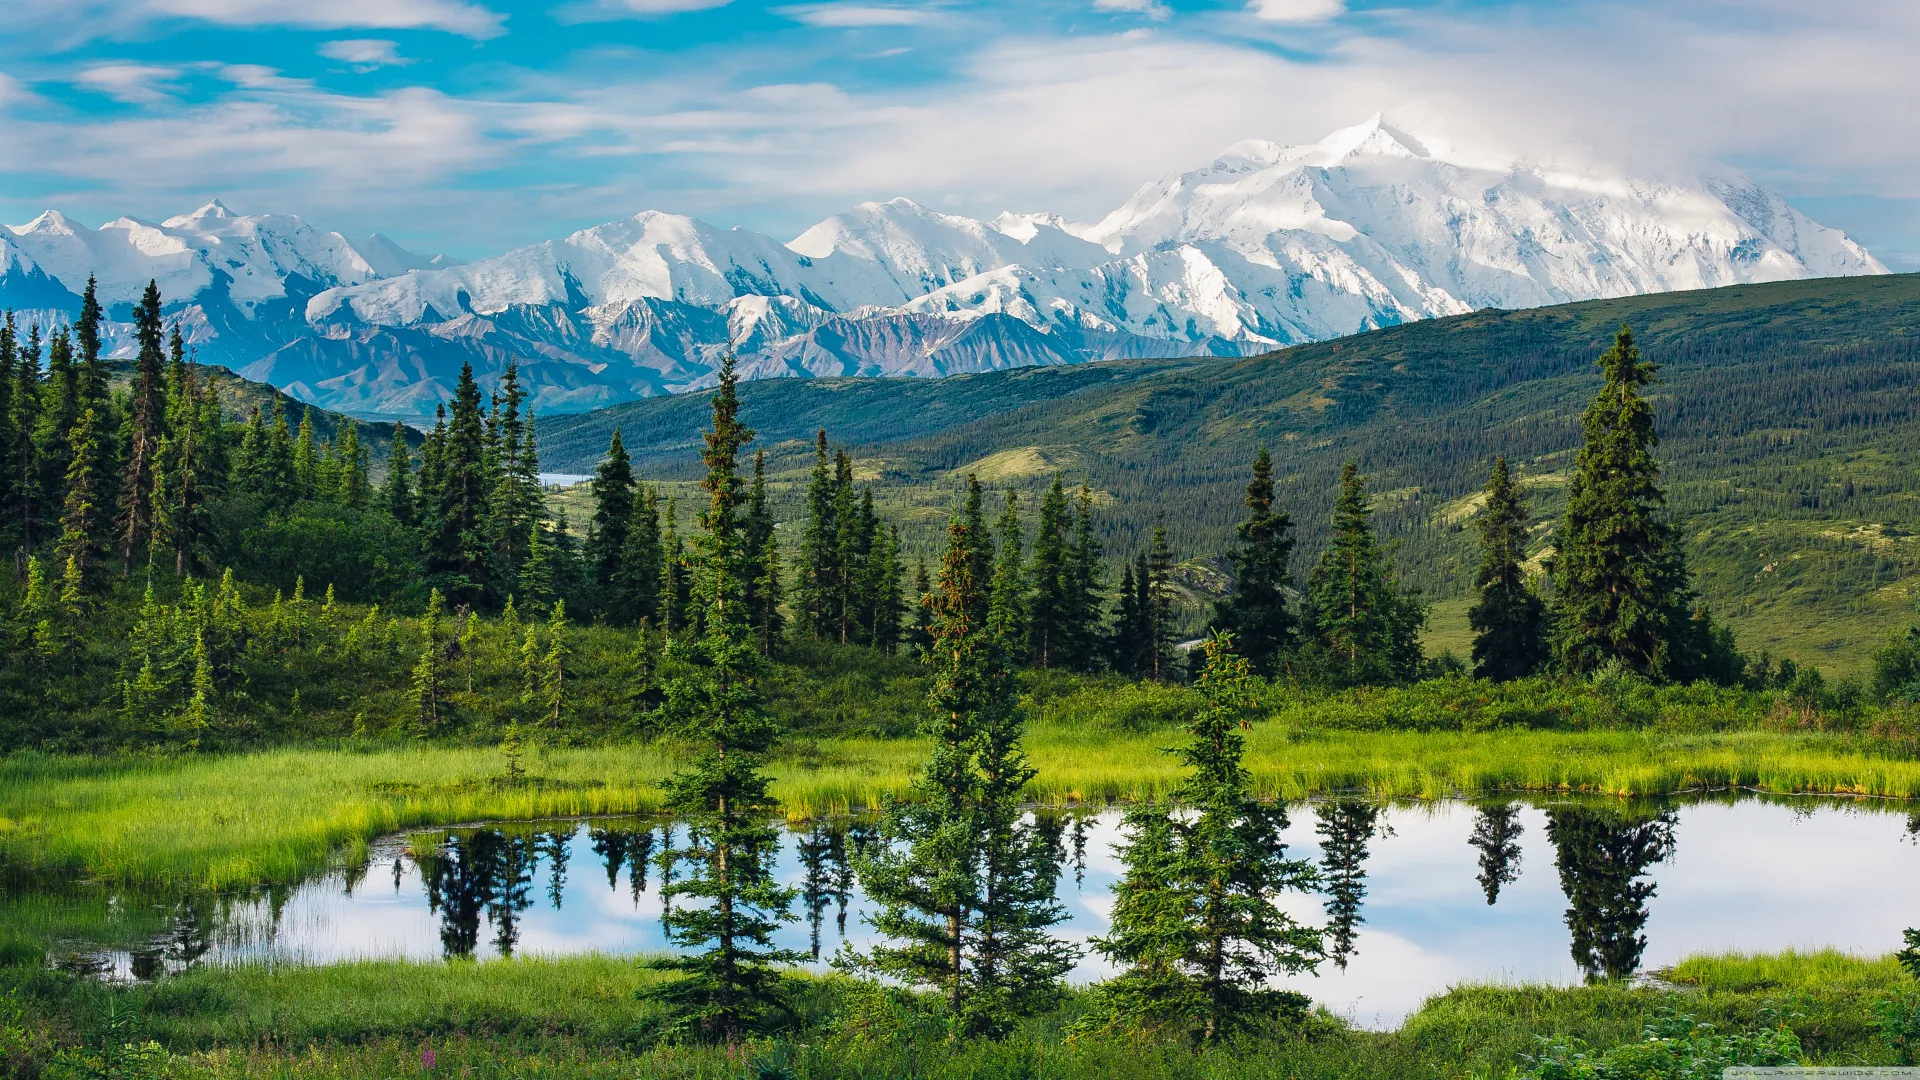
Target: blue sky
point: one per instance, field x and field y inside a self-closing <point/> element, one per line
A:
<point x="470" y="126"/>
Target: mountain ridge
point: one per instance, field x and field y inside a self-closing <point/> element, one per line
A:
<point x="1266" y="246"/>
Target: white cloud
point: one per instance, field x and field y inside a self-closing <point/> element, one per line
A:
<point x="78" y="20"/>
<point x="135" y="84"/>
<point x="855" y="15"/>
<point x="1296" y="11"/>
<point x="365" y="54"/>
<point x="1152" y="9"/>
<point x="606" y="10"/>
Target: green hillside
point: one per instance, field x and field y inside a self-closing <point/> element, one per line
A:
<point x="1788" y="410"/>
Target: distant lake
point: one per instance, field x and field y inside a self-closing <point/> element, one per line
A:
<point x="563" y="479"/>
<point x="1418" y="897"/>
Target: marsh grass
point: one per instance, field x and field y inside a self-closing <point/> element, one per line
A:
<point x="579" y="1017"/>
<point x="236" y="821"/>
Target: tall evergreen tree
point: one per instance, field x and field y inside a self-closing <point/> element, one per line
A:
<point x="641" y="585"/>
<point x="457" y="546"/>
<point x="763" y="554"/>
<point x="1127" y="646"/>
<point x="1008" y="613"/>
<point x="352" y="486"/>
<point x="85" y="520"/>
<point x="193" y="460"/>
<point x="12" y="470"/>
<point x="964" y="886"/>
<point x="1157" y="606"/>
<point x="274" y="474"/>
<point x="612" y="489"/>
<point x="144" y="428"/>
<point x="1621" y="589"/>
<point x="396" y="491"/>
<point x="1196" y="920"/>
<point x="1255" y="613"/>
<point x="885" y="578"/>
<point x="1364" y="630"/>
<point x="850" y="552"/>
<point x="93" y="368"/>
<point x="1085" y="631"/>
<point x="65" y="399"/>
<point x="819" y="566"/>
<point x="1051" y="616"/>
<point x="920" y="637"/>
<point x="1509" y="621"/>
<point x="729" y="969"/>
<point x="307" y="459"/>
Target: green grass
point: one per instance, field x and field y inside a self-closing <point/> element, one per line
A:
<point x="239" y="820"/>
<point x="578" y="1017"/>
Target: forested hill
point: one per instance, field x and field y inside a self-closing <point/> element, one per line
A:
<point x="1788" y="412"/>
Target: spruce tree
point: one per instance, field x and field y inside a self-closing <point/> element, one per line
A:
<point x="677" y="612"/>
<point x="819" y="566"/>
<point x="1084" y="633"/>
<point x="641" y="582"/>
<point x="1509" y="621"/>
<point x="886" y="574"/>
<point x="730" y="976"/>
<point x="1621" y="589"/>
<point x="763" y="599"/>
<point x="1196" y="919"/>
<point x="396" y="491"/>
<point x="1008" y="618"/>
<point x="193" y="460"/>
<point x="964" y="886"/>
<point x="145" y="428"/>
<point x="25" y="509"/>
<point x="307" y="460"/>
<point x="1126" y="645"/>
<point x="93" y="368"/>
<point x="1051" y="615"/>
<point x="920" y="638"/>
<point x="457" y="546"/>
<point x="429" y="671"/>
<point x="554" y="666"/>
<point x="1365" y="632"/>
<point x="85" y="521"/>
<point x="64" y="402"/>
<point x="612" y="489"/>
<point x="1255" y="613"/>
<point x="849" y="552"/>
<point x="352" y="488"/>
<point x="1157" y="608"/>
<point x="275" y="478"/>
<point x="10" y="468"/>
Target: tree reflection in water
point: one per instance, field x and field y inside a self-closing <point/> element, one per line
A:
<point x="1496" y="835"/>
<point x="1345" y="828"/>
<point x="1603" y="854"/>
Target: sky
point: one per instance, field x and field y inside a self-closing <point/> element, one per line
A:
<point x="472" y="126"/>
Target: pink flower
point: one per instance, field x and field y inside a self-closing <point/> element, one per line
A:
<point x="426" y="1059"/>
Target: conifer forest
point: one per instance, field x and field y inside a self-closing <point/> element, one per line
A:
<point x="985" y="730"/>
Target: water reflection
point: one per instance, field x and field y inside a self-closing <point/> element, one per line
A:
<point x="1496" y="836"/>
<point x="1603" y="855"/>
<point x="1414" y="898"/>
<point x="1345" y="827"/>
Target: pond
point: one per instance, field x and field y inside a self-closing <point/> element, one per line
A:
<point x="1415" y="897"/>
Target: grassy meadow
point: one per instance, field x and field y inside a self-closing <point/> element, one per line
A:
<point x="579" y="1017"/>
<point x="238" y="820"/>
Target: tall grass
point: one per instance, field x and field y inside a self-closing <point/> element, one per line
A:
<point x="578" y="1017"/>
<point x="271" y="816"/>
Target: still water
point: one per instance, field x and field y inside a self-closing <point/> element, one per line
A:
<point x="1415" y="898"/>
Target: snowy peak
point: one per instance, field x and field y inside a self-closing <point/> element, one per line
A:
<point x="1373" y="137"/>
<point x="1269" y="244"/>
<point x="214" y="209"/>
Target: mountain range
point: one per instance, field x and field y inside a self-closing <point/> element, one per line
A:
<point x="1266" y="246"/>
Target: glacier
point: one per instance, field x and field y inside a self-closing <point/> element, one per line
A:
<point x="1268" y="245"/>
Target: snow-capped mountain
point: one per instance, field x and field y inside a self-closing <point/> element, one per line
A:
<point x="1268" y="245"/>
